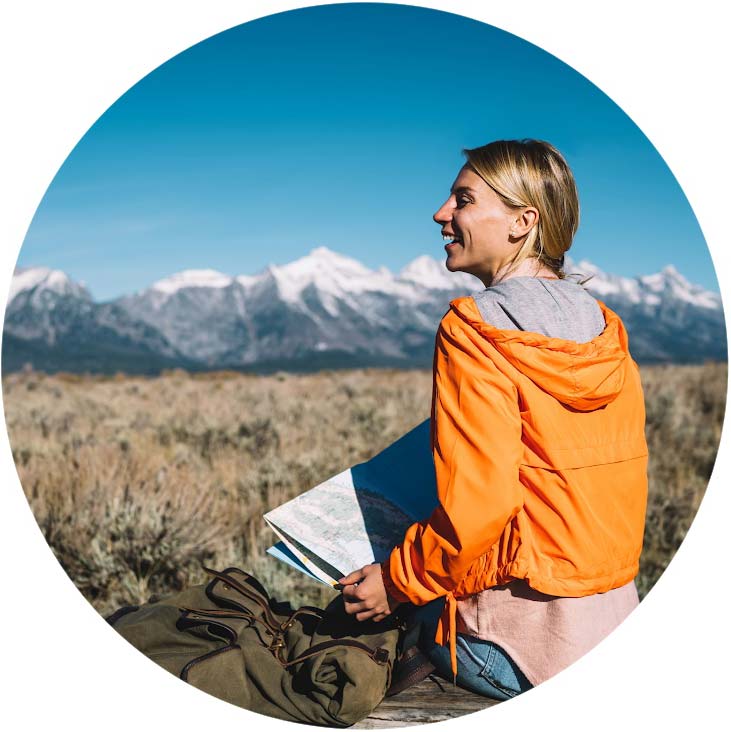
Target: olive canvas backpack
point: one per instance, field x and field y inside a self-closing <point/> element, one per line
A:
<point x="232" y="640"/>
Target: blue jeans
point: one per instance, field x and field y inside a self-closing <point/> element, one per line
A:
<point x="482" y="666"/>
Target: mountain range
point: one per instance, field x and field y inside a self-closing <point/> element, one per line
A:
<point x="324" y="310"/>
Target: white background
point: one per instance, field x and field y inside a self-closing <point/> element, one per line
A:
<point x="65" y="62"/>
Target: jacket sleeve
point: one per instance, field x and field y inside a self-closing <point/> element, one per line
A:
<point x="477" y="452"/>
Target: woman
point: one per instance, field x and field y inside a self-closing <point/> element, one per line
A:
<point x="538" y="444"/>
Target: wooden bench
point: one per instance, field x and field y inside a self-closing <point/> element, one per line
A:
<point x="432" y="700"/>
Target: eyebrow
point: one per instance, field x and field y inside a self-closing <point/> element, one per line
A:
<point x="462" y="189"/>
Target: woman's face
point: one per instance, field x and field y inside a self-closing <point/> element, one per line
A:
<point x="477" y="225"/>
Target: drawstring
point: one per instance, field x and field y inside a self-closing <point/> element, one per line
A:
<point x="452" y="610"/>
<point x="447" y="631"/>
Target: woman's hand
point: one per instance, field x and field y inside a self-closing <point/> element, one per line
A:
<point x="365" y="595"/>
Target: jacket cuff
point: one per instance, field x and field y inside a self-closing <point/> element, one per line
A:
<point x="391" y="590"/>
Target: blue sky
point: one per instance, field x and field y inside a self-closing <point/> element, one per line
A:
<point x="342" y="126"/>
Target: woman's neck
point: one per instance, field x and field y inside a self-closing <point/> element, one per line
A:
<point x="530" y="267"/>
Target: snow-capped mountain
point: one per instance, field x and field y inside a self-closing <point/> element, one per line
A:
<point x="433" y="275"/>
<point x="647" y="290"/>
<point x="43" y="285"/>
<point x="52" y="323"/>
<point x="667" y="317"/>
<point x="323" y="306"/>
<point x="320" y="311"/>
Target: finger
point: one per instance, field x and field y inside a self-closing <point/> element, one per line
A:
<point x="356" y="607"/>
<point x="352" y="577"/>
<point x="351" y="593"/>
<point x="366" y="615"/>
<point x="360" y="605"/>
<point x="378" y="618"/>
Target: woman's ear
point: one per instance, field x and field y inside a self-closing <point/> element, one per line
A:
<point x="527" y="219"/>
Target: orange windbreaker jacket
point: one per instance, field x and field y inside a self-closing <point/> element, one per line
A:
<point x="541" y="466"/>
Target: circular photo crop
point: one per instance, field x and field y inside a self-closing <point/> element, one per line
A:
<point x="338" y="369"/>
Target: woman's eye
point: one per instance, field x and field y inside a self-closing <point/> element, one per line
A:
<point x="461" y="201"/>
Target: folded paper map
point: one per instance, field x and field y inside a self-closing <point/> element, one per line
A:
<point x="357" y="516"/>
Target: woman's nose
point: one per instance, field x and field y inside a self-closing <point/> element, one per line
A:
<point x="444" y="214"/>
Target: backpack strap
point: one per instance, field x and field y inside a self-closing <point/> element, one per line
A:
<point x="274" y="624"/>
<point x="379" y="655"/>
<point x="277" y="629"/>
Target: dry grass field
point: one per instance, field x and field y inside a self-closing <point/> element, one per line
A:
<point x="137" y="481"/>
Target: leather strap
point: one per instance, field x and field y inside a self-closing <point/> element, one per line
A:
<point x="277" y="629"/>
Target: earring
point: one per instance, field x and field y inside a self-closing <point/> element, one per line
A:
<point x="512" y="233"/>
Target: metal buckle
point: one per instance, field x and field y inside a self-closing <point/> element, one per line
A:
<point x="380" y="655"/>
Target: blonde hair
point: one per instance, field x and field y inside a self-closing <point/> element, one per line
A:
<point x="533" y="173"/>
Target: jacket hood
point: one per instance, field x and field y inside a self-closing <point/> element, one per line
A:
<point x="583" y="376"/>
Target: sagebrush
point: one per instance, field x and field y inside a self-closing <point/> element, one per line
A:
<point x="138" y="481"/>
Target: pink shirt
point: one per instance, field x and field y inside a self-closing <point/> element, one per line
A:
<point x="543" y="634"/>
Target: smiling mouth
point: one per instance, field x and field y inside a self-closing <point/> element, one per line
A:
<point x="451" y="241"/>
